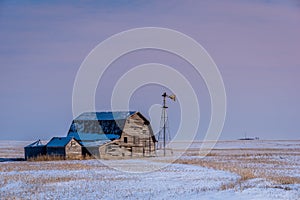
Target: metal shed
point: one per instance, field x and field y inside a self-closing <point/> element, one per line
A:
<point x="34" y="150"/>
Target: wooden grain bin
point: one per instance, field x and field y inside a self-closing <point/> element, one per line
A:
<point x="34" y="150"/>
<point x="125" y="133"/>
<point x="64" y="147"/>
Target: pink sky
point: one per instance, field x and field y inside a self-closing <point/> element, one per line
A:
<point x="255" y="44"/>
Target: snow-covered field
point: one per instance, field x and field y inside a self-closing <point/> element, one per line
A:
<point x="244" y="170"/>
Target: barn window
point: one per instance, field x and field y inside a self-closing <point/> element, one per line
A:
<point x="73" y="144"/>
<point x="135" y="140"/>
<point x="125" y="139"/>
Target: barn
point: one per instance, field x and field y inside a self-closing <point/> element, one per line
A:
<point x="34" y="150"/>
<point x="124" y="133"/>
<point x="65" y="147"/>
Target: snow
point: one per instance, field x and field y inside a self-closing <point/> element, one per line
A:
<point x="151" y="178"/>
<point x="248" y="144"/>
<point x="253" y="194"/>
<point x="175" y="181"/>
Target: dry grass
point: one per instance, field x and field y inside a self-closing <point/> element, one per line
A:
<point x="244" y="173"/>
<point x="46" y="158"/>
<point x="268" y="164"/>
<point x="44" y="165"/>
<point x="57" y="157"/>
<point x="285" y="180"/>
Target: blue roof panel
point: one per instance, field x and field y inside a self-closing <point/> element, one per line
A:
<point x="59" y="141"/>
<point x="105" y="115"/>
<point x="93" y="136"/>
<point x="93" y="126"/>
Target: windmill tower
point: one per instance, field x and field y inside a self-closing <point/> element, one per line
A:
<point x="164" y="133"/>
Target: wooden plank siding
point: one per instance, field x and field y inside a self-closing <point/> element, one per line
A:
<point x="136" y="140"/>
<point x="73" y="150"/>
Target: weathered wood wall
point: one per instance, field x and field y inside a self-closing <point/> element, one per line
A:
<point x="137" y="134"/>
<point x="73" y="150"/>
<point x="136" y="140"/>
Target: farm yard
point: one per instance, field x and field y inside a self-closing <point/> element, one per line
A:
<point x="116" y="99"/>
<point x="232" y="170"/>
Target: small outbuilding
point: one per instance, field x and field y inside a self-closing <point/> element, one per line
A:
<point x="65" y="147"/>
<point x="34" y="150"/>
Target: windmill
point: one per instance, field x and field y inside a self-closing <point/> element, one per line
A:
<point x="164" y="121"/>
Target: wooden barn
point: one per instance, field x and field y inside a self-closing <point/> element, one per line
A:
<point x="34" y="150"/>
<point x="65" y="147"/>
<point x="115" y="133"/>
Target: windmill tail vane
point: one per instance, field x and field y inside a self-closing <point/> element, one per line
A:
<point x="173" y="97"/>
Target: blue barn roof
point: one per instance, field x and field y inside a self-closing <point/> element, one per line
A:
<point x="59" y="141"/>
<point x="95" y="126"/>
<point x="105" y="115"/>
